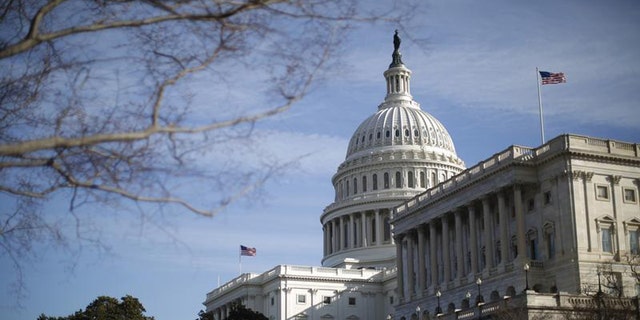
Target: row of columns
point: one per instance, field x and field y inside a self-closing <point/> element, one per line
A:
<point x="356" y="230"/>
<point x="440" y="244"/>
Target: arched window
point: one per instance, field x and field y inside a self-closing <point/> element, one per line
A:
<point x="347" y="187"/>
<point x="375" y="181"/>
<point x="550" y="240"/>
<point x="434" y="180"/>
<point x="386" y="180"/>
<point x="388" y="133"/>
<point x="422" y="180"/>
<point x="355" y="185"/>
<point x="397" y="133"/>
<point x="410" y="179"/>
<point x="378" y="135"/>
<point x="406" y="132"/>
<point x="514" y="247"/>
<point x="398" y="179"/>
<point x="364" y="183"/>
<point x="370" y="136"/>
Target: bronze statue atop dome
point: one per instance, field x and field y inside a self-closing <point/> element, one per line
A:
<point x="396" y="56"/>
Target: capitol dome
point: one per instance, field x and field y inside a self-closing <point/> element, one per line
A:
<point x="400" y="125"/>
<point x="395" y="154"/>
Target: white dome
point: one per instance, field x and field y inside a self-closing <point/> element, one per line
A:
<point x="395" y="154"/>
<point x="400" y="124"/>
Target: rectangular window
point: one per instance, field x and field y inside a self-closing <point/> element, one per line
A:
<point x="602" y="192"/>
<point x="352" y="301"/>
<point x="606" y="240"/>
<point x="551" y="245"/>
<point x="326" y="300"/>
<point x="547" y="197"/>
<point x="629" y="195"/>
<point x="531" y="204"/>
<point x="633" y="242"/>
<point x="302" y="298"/>
<point x="391" y="300"/>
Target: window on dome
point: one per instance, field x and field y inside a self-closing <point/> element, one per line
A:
<point x="388" y="134"/>
<point x="410" y="179"/>
<point x="355" y="185"/>
<point x="422" y="179"/>
<point x="370" y="136"/>
<point x="397" y="132"/>
<point x="386" y="180"/>
<point x="406" y="132"/>
<point x="362" y="139"/>
<point x="387" y="230"/>
<point x="347" y="188"/>
<point x="378" y="135"/>
<point x="373" y="230"/>
<point x="364" y="184"/>
<point x="375" y="181"/>
<point x="415" y="132"/>
<point x="398" y="179"/>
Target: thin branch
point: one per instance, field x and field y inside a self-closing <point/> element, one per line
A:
<point x="35" y="38"/>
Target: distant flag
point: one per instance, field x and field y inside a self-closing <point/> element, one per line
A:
<point x="246" y="251"/>
<point x="552" y="78"/>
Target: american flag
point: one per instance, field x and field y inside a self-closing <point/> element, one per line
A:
<point x="552" y="78"/>
<point x="246" y="251"/>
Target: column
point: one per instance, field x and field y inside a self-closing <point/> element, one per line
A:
<point x="400" y="268"/>
<point x="421" y="267"/>
<point x="324" y="239"/>
<point x="335" y="235"/>
<point x="460" y="253"/>
<point x="446" y="251"/>
<point x="343" y="234"/>
<point x="488" y="235"/>
<point x="363" y="217"/>
<point x="517" y="202"/>
<point x="352" y="227"/>
<point x="432" y="254"/>
<point x="504" y="232"/>
<point x="410" y="272"/>
<point x="378" y="228"/>
<point x="473" y="239"/>
<point x="616" y="198"/>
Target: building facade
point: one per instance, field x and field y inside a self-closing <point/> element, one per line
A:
<point x="412" y="233"/>
<point x="560" y="218"/>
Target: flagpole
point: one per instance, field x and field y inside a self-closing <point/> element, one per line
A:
<point x="540" y="105"/>
<point x="240" y="261"/>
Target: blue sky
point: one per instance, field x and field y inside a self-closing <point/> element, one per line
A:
<point x="473" y="68"/>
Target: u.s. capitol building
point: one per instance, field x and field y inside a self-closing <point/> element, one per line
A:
<point x="413" y="234"/>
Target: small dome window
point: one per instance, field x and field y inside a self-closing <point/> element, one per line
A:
<point x="370" y="136"/>
<point x="388" y="133"/>
<point x="415" y="132"/>
<point x="397" y="132"/>
<point x="378" y="136"/>
<point x="406" y="132"/>
<point x="362" y="138"/>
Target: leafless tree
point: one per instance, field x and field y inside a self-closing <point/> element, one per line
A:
<point x="102" y="101"/>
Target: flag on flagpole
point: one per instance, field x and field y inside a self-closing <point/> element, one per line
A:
<point x="552" y="78"/>
<point x="246" y="251"/>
